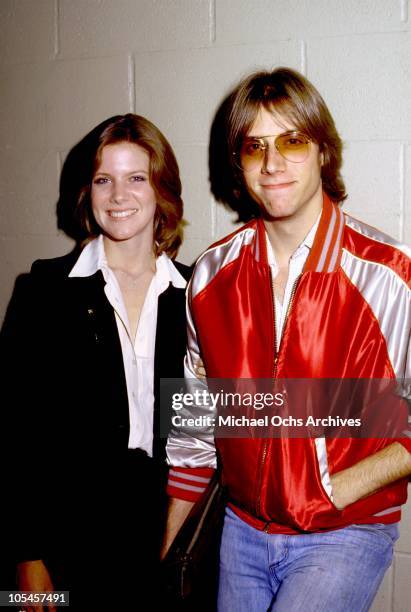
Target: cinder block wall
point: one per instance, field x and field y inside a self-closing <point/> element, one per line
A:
<point x="68" y="64"/>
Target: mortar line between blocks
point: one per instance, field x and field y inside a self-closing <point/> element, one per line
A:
<point x="59" y="164"/>
<point x="56" y="27"/>
<point x="402" y="193"/>
<point x="213" y="207"/>
<point x="303" y="49"/>
<point x="131" y="84"/>
<point x="404" y="10"/>
<point x="212" y="21"/>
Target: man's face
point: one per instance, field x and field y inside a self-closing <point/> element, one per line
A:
<point x="282" y="188"/>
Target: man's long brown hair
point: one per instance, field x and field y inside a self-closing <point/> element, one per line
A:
<point x="287" y="95"/>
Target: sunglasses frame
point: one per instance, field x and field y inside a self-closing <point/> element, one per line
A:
<point x="237" y="154"/>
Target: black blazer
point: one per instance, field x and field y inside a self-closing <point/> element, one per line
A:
<point x="65" y="388"/>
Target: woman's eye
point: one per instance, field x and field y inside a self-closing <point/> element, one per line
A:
<point x="138" y="178"/>
<point x="101" y="180"/>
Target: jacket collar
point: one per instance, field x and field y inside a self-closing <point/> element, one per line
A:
<point x="325" y="254"/>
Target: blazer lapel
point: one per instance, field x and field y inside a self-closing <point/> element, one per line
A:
<point x="171" y="340"/>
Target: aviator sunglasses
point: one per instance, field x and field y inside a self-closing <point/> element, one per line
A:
<point x="293" y="146"/>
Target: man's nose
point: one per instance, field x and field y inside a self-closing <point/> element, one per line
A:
<point x="273" y="161"/>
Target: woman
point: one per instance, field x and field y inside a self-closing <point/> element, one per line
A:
<point x="86" y="339"/>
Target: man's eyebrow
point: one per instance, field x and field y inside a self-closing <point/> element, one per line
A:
<point x="257" y="137"/>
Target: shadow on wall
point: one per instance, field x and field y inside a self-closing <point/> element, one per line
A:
<point x="76" y="175"/>
<point x="225" y="181"/>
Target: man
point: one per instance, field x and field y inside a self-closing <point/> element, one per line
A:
<point x="300" y="292"/>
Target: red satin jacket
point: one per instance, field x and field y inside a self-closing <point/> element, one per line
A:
<point x="349" y="319"/>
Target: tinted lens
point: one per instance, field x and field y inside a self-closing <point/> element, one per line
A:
<point x="293" y="146"/>
<point x="251" y="153"/>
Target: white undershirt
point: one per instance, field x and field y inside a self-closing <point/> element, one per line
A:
<point x="138" y="355"/>
<point x="295" y="267"/>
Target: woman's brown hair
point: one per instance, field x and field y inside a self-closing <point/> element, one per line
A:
<point x="163" y="174"/>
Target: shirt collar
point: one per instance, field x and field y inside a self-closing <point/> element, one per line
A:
<point x="167" y="273"/>
<point x="307" y="242"/>
<point x="93" y="258"/>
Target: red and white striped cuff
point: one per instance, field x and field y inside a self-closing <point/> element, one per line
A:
<point x="188" y="483"/>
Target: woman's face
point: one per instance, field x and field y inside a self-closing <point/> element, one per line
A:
<point x="122" y="198"/>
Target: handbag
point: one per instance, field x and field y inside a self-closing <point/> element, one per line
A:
<point x="190" y="568"/>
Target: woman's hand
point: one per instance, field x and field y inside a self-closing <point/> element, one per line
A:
<point x="178" y="510"/>
<point x="200" y="370"/>
<point x="33" y="576"/>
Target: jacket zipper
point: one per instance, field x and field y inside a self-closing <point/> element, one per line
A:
<point x="293" y="290"/>
<point x="274" y="375"/>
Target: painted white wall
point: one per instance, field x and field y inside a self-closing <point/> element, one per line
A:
<point x="65" y="65"/>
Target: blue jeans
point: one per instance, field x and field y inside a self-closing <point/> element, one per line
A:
<point x="335" y="571"/>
